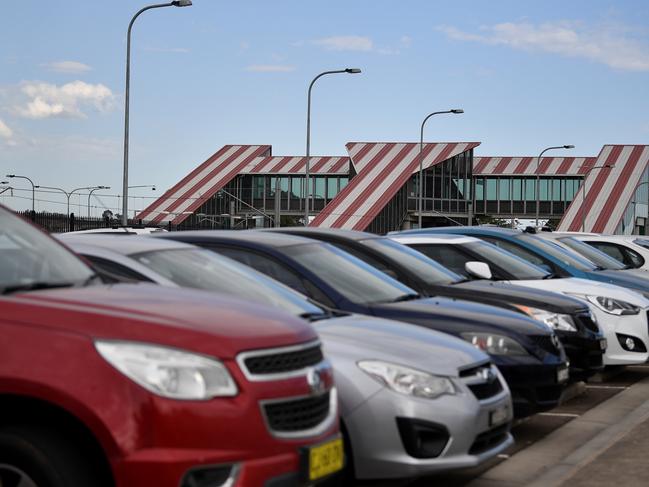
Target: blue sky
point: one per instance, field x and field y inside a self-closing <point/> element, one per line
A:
<point x="527" y="74"/>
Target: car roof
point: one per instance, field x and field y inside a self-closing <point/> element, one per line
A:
<point x="268" y="239"/>
<point x="479" y="228"/>
<point x="408" y="238"/>
<point x="119" y="231"/>
<point x="334" y="232"/>
<point x="119" y="244"/>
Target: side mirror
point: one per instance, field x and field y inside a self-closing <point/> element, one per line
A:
<point x="481" y="270"/>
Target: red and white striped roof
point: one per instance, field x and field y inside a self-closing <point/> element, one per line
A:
<point x="293" y="165"/>
<point x="202" y="183"/>
<point x="382" y="169"/>
<point x="609" y="190"/>
<point x="520" y="166"/>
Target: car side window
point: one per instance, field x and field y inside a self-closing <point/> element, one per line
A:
<point x="518" y="251"/>
<point x="447" y="255"/>
<point x="610" y="249"/>
<point x="636" y="260"/>
<point x="115" y="271"/>
<point x="371" y="260"/>
<point x="266" y="265"/>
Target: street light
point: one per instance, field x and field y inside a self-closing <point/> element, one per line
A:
<point x="176" y="3"/>
<point x="308" y="135"/>
<point x="421" y="160"/>
<point x="33" y="188"/>
<point x="538" y="177"/>
<point x="152" y="186"/>
<point x="90" y="194"/>
<point x="583" y="195"/>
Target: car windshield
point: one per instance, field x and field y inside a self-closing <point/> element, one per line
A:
<point x="558" y="253"/>
<point x="29" y="259"/>
<point x="597" y="257"/>
<point x="519" y="268"/>
<point x="352" y="278"/>
<point x="202" y="269"/>
<point x="417" y="263"/>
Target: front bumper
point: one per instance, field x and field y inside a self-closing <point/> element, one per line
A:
<point x="378" y="448"/>
<point x="635" y="326"/>
<point x="585" y="353"/>
<point x="535" y="387"/>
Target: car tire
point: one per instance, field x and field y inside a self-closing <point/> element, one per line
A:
<point x="42" y="458"/>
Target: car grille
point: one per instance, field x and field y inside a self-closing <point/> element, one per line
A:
<point x="297" y="415"/>
<point x="545" y="342"/>
<point x="486" y="390"/>
<point x="489" y="439"/>
<point x="586" y="321"/>
<point x="277" y="363"/>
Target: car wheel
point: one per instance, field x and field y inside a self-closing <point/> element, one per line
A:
<point x="35" y="457"/>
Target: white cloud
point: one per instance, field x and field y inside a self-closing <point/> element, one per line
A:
<point x="405" y="41"/>
<point x="345" y="43"/>
<point x="270" y="68"/>
<point x="69" y="67"/>
<point x="603" y="44"/>
<point x="5" y="131"/>
<point x="44" y="100"/>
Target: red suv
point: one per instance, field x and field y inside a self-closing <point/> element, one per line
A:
<point x="134" y="385"/>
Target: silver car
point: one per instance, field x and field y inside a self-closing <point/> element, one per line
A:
<point x="413" y="401"/>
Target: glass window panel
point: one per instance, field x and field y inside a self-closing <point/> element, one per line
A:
<point x="343" y="182"/>
<point x="258" y="186"/>
<point x="332" y="187"/>
<point x="517" y="189"/>
<point x="479" y="189"/>
<point x="491" y="189"/>
<point x="503" y="188"/>
<point x="283" y="182"/>
<point x="530" y="193"/>
<point x="296" y="188"/>
<point x="319" y="191"/>
<point x="544" y="189"/>
<point x="556" y="190"/>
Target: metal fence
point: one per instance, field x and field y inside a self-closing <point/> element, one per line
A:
<point x="59" y="222"/>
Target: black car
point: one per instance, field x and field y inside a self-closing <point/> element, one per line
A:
<point x="570" y="318"/>
<point x="529" y="355"/>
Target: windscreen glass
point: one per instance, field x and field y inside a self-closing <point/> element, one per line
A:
<point x="203" y="269"/>
<point x="562" y="255"/>
<point x="29" y="257"/>
<point x="352" y="278"/>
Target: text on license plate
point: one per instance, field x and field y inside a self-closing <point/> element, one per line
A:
<point x="563" y="374"/>
<point x="326" y="458"/>
<point x="498" y="416"/>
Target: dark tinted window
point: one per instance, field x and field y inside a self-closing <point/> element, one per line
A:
<point x="620" y="253"/>
<point x="599" y="258"/>
<point x="116" y="270"/>
<point x="560" y="254"/>
<point x="517" y="250"/>
<point x="449" y="256"/>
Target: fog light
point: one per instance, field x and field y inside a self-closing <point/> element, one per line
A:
<point x="630" y="344"/>
<point x="217" y="476"/>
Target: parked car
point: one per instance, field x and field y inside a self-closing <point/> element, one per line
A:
<point x="542" y="253"/>
<point x="394" y="428"/>
<point x="620" y="313"/>
<point x="119" y="230"/>
<point x="631" y="250"/>
<point x="571" y="319"/>
<point x="131" y="385"/>
<point x="528" y="354"/>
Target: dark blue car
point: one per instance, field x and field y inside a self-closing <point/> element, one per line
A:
<point x="528" y="354"/>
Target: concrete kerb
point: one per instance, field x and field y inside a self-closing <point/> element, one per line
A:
<point x="558" y="456"/>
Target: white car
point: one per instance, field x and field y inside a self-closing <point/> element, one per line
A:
<point x="621" y="313"/>
<point x="631" y="250"/>
<point x="118" y="231"/>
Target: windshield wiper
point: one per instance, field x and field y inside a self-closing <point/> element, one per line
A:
<point x="406" y="297"/>
<point x="33" y="286"/>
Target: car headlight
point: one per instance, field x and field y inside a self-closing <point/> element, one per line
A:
<point x="494" y="344"/>
<point x="407" y="381"/>
<point x="556" y="321"/>
<point x="610" y="305"/>
<point x="169" y="372"/>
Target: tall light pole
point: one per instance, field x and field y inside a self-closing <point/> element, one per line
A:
<point x="308" y="136"/>
<point x="67" y="195"/>
<point x="583" y="195"/>
<point x="33" y="188"/>
<point x="176" y="3"/>
<point x="420" y="199"/>
<point x="538" y="177"/>
<point x="79" y="189"/>
<point x="90" y="194"/>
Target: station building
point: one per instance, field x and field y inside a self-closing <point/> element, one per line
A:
<point x="375" y="187"/>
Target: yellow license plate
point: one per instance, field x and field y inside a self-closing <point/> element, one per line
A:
<point x="326" y="459"/>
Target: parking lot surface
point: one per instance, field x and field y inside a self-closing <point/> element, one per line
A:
<point x="599" y="437"/>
